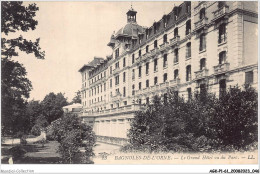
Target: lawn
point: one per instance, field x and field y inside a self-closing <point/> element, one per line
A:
<point x="35" y="154"/>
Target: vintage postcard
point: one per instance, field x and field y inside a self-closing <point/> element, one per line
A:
<point x="95" y="82"/>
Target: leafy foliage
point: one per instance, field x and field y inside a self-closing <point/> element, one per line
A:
<point x="52" y="106"/>
<point x="203" y="123"/>
<point x="77" y="98"/>
<point x="72" y="134"/>
<point x="16" y="17"/>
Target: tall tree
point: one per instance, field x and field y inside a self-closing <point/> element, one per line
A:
<point x="77" y="98"/>
<point x="52" y="106"/>
<point x="16" y="87"/>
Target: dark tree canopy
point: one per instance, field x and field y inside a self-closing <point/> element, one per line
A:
<point x="52" y="106"/>
<point x="17" y="17"/>
<point x="15" y="90"/>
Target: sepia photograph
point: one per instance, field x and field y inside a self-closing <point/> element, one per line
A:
<point x="129" y="82"/>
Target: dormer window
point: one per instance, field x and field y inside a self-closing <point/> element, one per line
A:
<point x="202" y="13"/>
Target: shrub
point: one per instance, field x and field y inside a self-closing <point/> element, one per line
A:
<point x="203" y="123"/>
<point x="71" y="133"/>
<point x="36" y="130"/>
<point x="23" y="140"/>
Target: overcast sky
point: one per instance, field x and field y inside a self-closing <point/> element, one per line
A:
<point x="72" y="33"/>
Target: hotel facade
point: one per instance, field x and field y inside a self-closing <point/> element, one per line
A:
<point x="198" y="46"/>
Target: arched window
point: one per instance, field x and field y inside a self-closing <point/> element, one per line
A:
<point x="176" y="32"/>
<point x="202" y="13"/>
<point x="222" y="57"/>
<point x="222" y="36"/>
<point x="155" y="44"/>
<point x="147" y="48"/>
<point x="176" y="74"/>
<point x="202" y="63"/>
<point x="188" y="50"/>
<point x="188" y="73"/>
<point x="188" y="27"/>
<point x="202" y="42"/>
<point x="165" y="38"/>
<point x="165" y="77"/>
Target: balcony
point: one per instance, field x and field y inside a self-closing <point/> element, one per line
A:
<point x="119" y="110"/>
<point x="175" y="82"/>
<point x="164" y="46"/>
<point x="146" y="55"/>
<point x="174" y="41"/>
<point x="201" y="74"/>
<point x="138" y="58"/>
<point x="154" y="51"/>
<point x="201" y="23"/>
<point x="219" y="13"/>
<point x="115" y="71"/>
<point x="221" y="68"/>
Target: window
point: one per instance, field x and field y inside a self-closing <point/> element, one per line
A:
<point x="140" y="53"/>
<point x="155" y="64"/>
<point x="133" y="58"/>
<point x="155" y="80"/>
<point x="117" y="80"/>
<point x="140" y="85"/>
<point x="165" y="62"/>
<point x="249" y="78"/>
<point x="105" y="74"/>
<point x="92" y="92"/>
<point x="98" y="89"/>
<point x="140" y="71"/>
<point x="202" y="42"/>
<point x="188" y="73"/>
<point x="117" y="53"/>
<point x="124" y="76"/>
<point x="133" y="89"/>
<point x="95" y="91"/>
<point x="189" y="93"/>
<point x="104" y="86"/>
<point x="188" y="7"/>
<point x="176" y="32"/>
<point x="133" y="74"/>
<point x="147" y="83"/>
<point x="125" y="103"/>
<point x="147" y="100"/>
<point x="155" y="44"/>
<point x="147" y="48"/>
<point x="222" y="36"/>
<point x="222" y="87"/>
<point x="188" y="50"/>
<point x="222" y="57"/>
<point x="202" y="13"/>
<point x="165" y="38"/>
<point x="124" y="92"/>
<point x="147" y="68"/>
<point x="110" y="83"/>
<point x="124" y="62"/>
<point x="202" y="63"/>
<point x="176" y="74"/>
<point x="101" y="88"/>
<point x="117" y="65"/>
<point x="188" y="27"/>
<point x="165" y="77"/>
<point x="110" y="70"/>
<point x="221" y="4"/>
<point x="140" y="101"/>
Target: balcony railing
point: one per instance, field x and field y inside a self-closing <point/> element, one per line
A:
<point x="175" y="40"/>
<point x="221" y="68"/>
<point x="164" y="46"/>
<point x="175" y="82"/>
<point x="201" y="73"/>
<point x="154" y="51"/>
<point x="116" y="70"/>
<point x="220" y="12"/>
<point x="201" y="23"/>
<point x="127" y="108"/>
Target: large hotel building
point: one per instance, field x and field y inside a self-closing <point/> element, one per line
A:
<point x="198" y="46"/>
